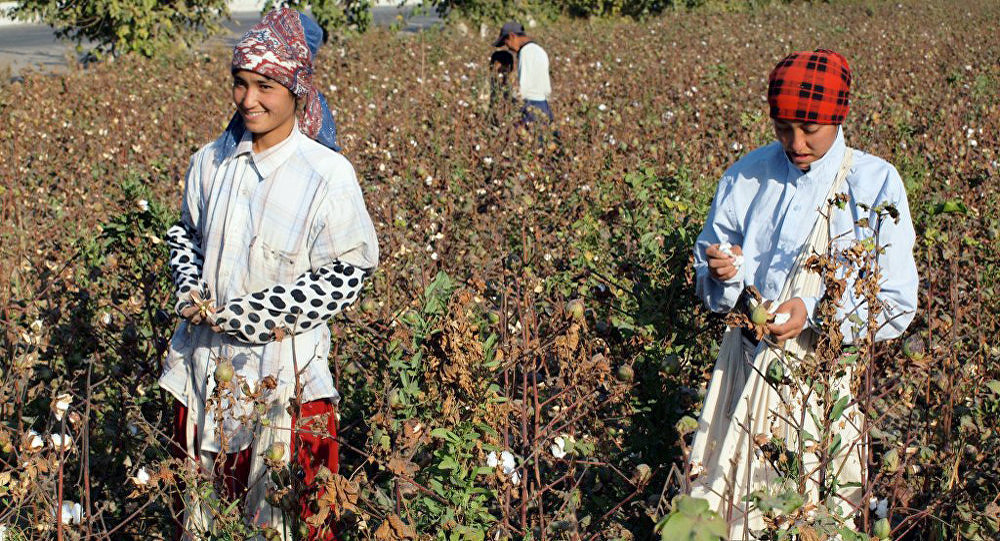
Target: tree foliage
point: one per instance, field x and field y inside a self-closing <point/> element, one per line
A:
<point x="333" y="15"/>
<point x="153" y="27"/>
<point x="147" y="27"/>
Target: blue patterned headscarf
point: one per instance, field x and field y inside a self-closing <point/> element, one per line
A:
<point x="280" y="39"/>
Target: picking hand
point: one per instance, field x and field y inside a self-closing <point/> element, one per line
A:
<point x="199" y="309"/>
<point x="721" y="265"/>
<point x="796" y="310"/>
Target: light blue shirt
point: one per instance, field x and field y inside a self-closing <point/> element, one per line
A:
<point x="767" y="206"/>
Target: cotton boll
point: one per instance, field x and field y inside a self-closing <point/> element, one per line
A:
<point x="507" y="461"/>
<point x="61" y="442"/>
<point x="72" y="513"/>
<point x="727" y="249"/>
<point x="61" y="405"/>
<point x="558" y="447"/>
<point x="142" y="477"/>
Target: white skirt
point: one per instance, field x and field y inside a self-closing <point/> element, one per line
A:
<point x="741" y="406"/>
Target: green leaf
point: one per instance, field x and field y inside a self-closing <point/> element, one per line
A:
<point x="834" y="445"/>
<point x="839" y="407"/>
<point x="691" y="506"/>
<point x="678" y="527"/>
<point x="950" y="207"/>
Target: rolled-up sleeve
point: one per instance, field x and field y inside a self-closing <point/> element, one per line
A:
<point x="720" y="226"/>
<point x="343" y="230"/>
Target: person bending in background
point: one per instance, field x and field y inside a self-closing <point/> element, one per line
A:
<point x="769" y="214"/>
<point x="274" y="239"/>
<point x="499" y="85"/>
<point x="533" y="84"/>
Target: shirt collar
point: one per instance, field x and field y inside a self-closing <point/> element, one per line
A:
<point x="824" y="167"/>
<point x="270" y="159"/>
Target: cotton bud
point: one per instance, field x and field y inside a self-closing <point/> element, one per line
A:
<point x="558" y="447"/>
<point x="71" y="512"/>
<point x="882" y="509"/>
<point x="507" y="462"/>
<point x="642" y="474"/>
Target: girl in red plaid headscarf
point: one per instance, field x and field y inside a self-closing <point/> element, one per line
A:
<point x="770" y="213"/>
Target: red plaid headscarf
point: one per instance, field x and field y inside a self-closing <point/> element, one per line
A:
<point x="810" y="87"/>
<point x="276" y="48"/>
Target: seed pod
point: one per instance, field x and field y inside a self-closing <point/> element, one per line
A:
<point x="882" y="529"/>
<point x="913" y="348"/>
<point x="890" y="461"/>
<point x="224" y="371"/>
<point x="625" y="373"/>
<point x="671" y="364"/>
<point x="576" y="310"/>
<point x="395" y="401"/>
<point x="276" y="451"/>
<point x="642" y="474"/>
<point x="686" y="424"/>
<point x="760" y="315"/>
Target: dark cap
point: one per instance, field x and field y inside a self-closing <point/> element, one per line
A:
<point x="513" y="27"/>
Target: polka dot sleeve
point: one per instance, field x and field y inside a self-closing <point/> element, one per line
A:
<point x="186" y="262"/>
<point x="313" y="298"/>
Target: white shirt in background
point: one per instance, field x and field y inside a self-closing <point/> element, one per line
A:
<point x="533" y="73"/>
